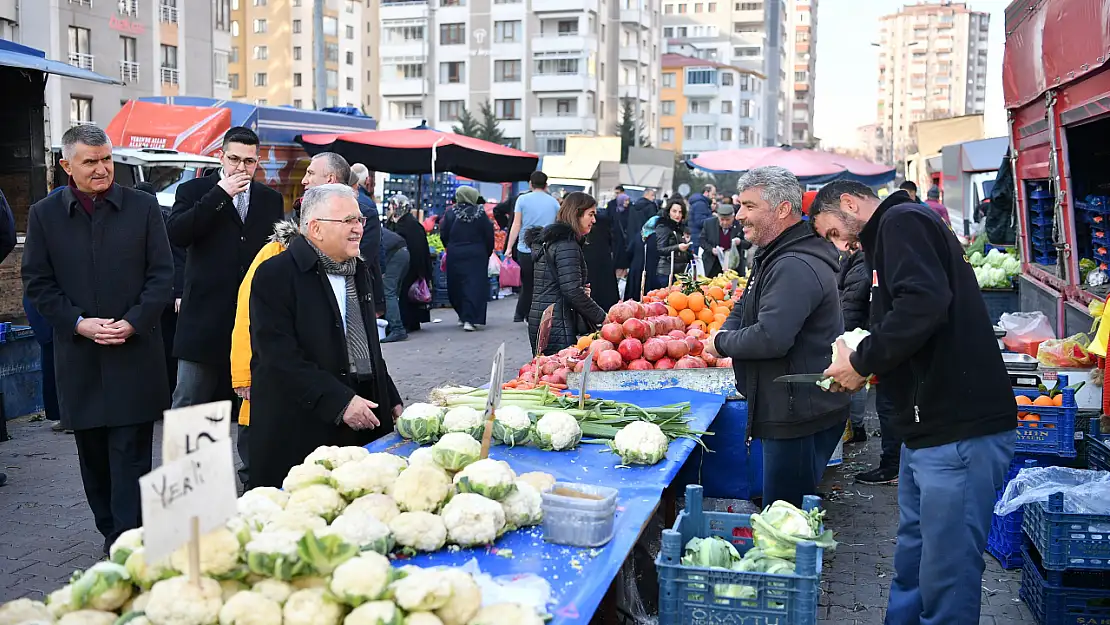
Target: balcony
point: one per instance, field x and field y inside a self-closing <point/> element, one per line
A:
<point x="640" y="17"/>
<point x="403" y="10"/>
<point x="79" y="59"/>
<point x="170" y="76"/>
<point x="571" y="42"/>
<point x="564" y="122"/>
<point x="643" y="92"/>
<point x="565" y="6"/>
<point x="701" y="91"/>
<point x="635" y="54"/>
<point x="81" y="3"/>
<point x="130" y="8"/>
<point x="702" y="119"/>
<point x="402" y="87"/>
<point x="79" y="122"/>
<point x="167" y="14"/>
<point x="695" y="146"/>
<point x="563" y="82"/>
<point x="129" y="71"/>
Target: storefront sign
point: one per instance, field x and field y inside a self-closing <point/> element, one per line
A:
<point x="126" y="26"/>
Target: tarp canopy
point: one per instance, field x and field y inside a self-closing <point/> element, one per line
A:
<point x="410" y="151"/>
<point x="23" y="57"/>
<point x="188" y="129"/>
<point x="983" y="155"/>
<point x="810" y="166"/>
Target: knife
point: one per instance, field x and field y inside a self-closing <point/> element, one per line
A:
<point x="544" y="333"/>
<point x="801" y="378"/>
<point x="586" y="366"/>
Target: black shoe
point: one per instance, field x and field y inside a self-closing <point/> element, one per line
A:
<point x="518" y="320"/>
<point x="858" y="435"/>
<point x="393" y="338"/>
<point x="881" y="475"/>
<point x="58" y="427"/>
<point x="3" y="478"/>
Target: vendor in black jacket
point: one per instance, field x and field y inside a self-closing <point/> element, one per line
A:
<point x="789" y="318"/>
<point x="933" y="351"/>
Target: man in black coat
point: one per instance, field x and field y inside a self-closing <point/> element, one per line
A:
<point x="701" y="208"/>
<point x="222" y="220"/>
<point x="933" y="350"/>
<point x="854" y="283"/>
<point x="788" y="320"/>
<point x="318" y="376"/>
<point x="97" y="266"/>
<point x="642" y="210"/>
<point x="720" y="234"/>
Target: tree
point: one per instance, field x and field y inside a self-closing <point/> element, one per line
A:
<point x="468" y="126"/>
<point x="487" y="128"/>
<point x="683" y="174"/>
<point x="627" y="130"/>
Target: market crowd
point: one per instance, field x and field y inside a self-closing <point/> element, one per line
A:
<point x="282" y="312"/>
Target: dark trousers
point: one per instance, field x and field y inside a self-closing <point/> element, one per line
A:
<point x="891" y="444"/>
<point x="396" y="266"/>
<point x="112" y="461"/>
<point x="242" y="444"/>
<point x="527" y="280"/>
<point x="793" y="467"/>
<point x="49" y="385"/>
<point x="169" y="331"/>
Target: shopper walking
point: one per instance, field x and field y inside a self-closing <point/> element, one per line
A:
<point x="402" y="221"/>
<point x="721" y="237"/>
<point x="639" y="264"/>
<point x="672" y="242"/>
<point x="701" y="208"/>
<point x="933" y="349"/>
<point x="535" y="209"/>
<point x="467" y="234"/>
<point x="396" y="268"/>
<point x="599" y="248"/>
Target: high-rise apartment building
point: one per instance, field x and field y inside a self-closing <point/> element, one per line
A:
<point x="154" y="47"/>
<point x="932" y="65"/>
<point x="802" y="45"/>
<point x="548" y="68"/>
<point x="748" y="35"/>
<point x="708" y="106"/>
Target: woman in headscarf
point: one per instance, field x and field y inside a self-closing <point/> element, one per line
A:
<point x="467" y="233"/>
<point x="402" y="221"/>
<point x="598" y="252"/>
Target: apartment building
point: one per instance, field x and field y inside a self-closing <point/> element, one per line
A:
<point x="748" y="35"/>
<point x="932" y="65"/>
<point x="548" y="68"/>
<point x="708" y="106"/>
<point x="284" y="53"/>
<point x="802" y="45"/>
<point x="154" y="47"/>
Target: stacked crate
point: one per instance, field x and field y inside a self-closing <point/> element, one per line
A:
<point x="1094" y="210"/>
<point x="433" y="198"/>
<point x="1040" y="224"/>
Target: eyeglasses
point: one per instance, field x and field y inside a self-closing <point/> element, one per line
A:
<point x="236" y="161"/>
<point x="349" y="221"/>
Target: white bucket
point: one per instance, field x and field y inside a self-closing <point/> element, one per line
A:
<point x="382" y="325"/>
<point x="837" y="455"/>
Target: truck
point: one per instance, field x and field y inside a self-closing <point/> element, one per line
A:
<point x="592" y="165"/>
<point x="969" y="170"/>
<point x="1056" y="81"/>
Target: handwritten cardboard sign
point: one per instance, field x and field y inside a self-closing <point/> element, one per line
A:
<point x="199" y="485"/>
<point x="187" y="430"/>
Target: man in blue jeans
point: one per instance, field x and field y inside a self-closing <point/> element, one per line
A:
<point x="933" y="351"/>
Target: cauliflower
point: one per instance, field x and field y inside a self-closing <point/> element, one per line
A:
<point x="88" y="617"/>
<point x="145" y="574"/>
<point x="375" y="613"/>
<point x="422" y="618"/>
<point x="511" y="425"/>
<point x="273" y="589"/>
<point x="456" y="450"/>
<point x="105" y="586"/>
<point x="295" y="520"/>
<point x="419" y="531"/>
<point x="126" y="543"/>
<point x="132" y="618"/>
<point x="311" y="606"/>
<point x="556" y="431"/>
<point x="373" y="474"/>
<point x="640" y="442"/>
<point x="179" y="601"/>
<point x="381" y="507"/>
<point x="137" y="604"/>
<point x="366" y="533"/>
<point x="466" y="598"/>
<point x="250" y="608"/>
<point x="506" y="614"/>
<point x="305" y="475"/>
<point x="421" y="591"/>
<point x="361" y="579"/>
<point x="852" y="340"/>
<point x="302" y="583"/>
<point x="539" y="480"/>
<point x="421" y="488"/>
<point x="464" y="419"/>
<point x="60" y="602"/>
<point x="257" y="508"/>
<point x="523" y="507"/>
<point x="273" y="553"/>
<point x="488" y="477"/>
<point x="231" y="587"/>
<point x="331" y="457"/>
<point x="275" y="495"/>
<point x="423" y="455"/>
<point x="318" y="499"/>
<point x="243" y="530"/>
<point x="24" y="611"/>
<point x="420" y="423"/>
<point x="472" y="519"/>
<point x="219" y="555"/>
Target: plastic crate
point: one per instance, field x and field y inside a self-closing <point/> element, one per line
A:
<point x="1067" y="541"/>
<point x="1000" y="301"/>
<point x="1069" y="598"/>
<point x="1054" y="433"/>
<point x="1005" y="537"/>
<point x="1098" y="447"/>
<point x="687" y="593"/>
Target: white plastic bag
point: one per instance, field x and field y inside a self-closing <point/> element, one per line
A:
<point x="1085" y="492"/>
<point x="493" y="270"/>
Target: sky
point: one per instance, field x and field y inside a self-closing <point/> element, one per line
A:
<point x="847" y="66"/>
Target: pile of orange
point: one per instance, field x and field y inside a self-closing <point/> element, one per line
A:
<point x="706" y="312"/>
<point x="1031" y="419"/>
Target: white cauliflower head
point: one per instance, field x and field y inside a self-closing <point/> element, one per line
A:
<point x="256" y="508"/>
<point x="487" y="477"/>
<point x="274" y="553"/>
<point x="375" y="613"/>
<point x="60" y="601"/>
<point x="219" y="554"/>
<point x="24" y="611"/>
<point x="473" y="520"/>
<point x="381" y="507"/>
<point x="273" y="589"/>
<point x="311" y="606"/>
<point x="421" y="591"/>
<point x="275" y="495"/>
<point x="556" y="431"/>
<point x="640" y="442"/>
<point x="179" y="601"/>
<point x="464" y="419"/>
<point x="295" y="520"/>
<point x="365" y="532"/>
<point x="539" y="480"/>
<point x="523" y="507"/>
<point x="506" y="614"/>
<point x="511" y="425"/>
<point x="331" y="457"/>
<point x="374" y="473"/>
<point x="127" y="542"/>
<point x="88" y="617"/>
<point x="361" y="579"/>
<point x="423" y="455"/>
<point x="305" y="475"/>
<point x="250" y="608"/>
<point x="420" y="422"/>
<point x="145" y="574"/>
<point x="421" y="489"/>
<point x="104" y="586"/>
<point x="318" y="499"/>
<point x="419" y="531"/>
<point x="466" y="598"/>
<point x="456" y="450"/>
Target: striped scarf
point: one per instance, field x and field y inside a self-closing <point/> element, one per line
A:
<point x="358" y="346"/>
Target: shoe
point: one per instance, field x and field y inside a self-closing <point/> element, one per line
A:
<point x="468" y="327"/>
<point x="858" y="436"/>
<point x="3" y="478"/>
<point x="461" y="324"/>
<point x="479" y="326"/>
<point x="394" y="338"/>
<point x="518" y="319"/>
<point x="881" y="475"/>
<point x="58" y="427"/>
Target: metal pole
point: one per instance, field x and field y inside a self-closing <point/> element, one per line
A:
<point x="320" y="73"/>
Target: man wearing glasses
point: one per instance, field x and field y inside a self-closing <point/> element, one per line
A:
<point x="222" y="221"/>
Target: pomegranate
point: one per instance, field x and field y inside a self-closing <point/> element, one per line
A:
<point x="528" y="368"/>
<point x="664" y="363"/>
<point x="560" y="375"/>
<point x="650" y="328"/>
<point x="724" y="363"/>
<point x="640" y="365"/>
<point x="549" y="367"/>
<point x="612" y="332"/>
<point x="620" y="312"/>
<point x="547" y="378"/>
<point x="710" y="359"/>
<point x="610" y="360"/>
<point x="601" y="345"/>
<point x="635" y="328"/>
<point x="630" y="349"/>
<point x="689" y="362"/>
<point x="654" y="349"/>
<point x="678" y="335"/>
<point x="695" y="346"/>
<point x="697" y="333"/>
<point x="579" y="366"/>
<point x="656" y="309"/>
<point x="638" y="310"/>
<point x="677" y="349"/>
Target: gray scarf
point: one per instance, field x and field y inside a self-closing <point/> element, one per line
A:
<point x="358" y="347"/>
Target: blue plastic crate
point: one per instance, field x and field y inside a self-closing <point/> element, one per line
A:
<point x="1098" y="447"/>
<point x="1054" y="432"/>
<point x="1067" y="541"/>
<point x="1005" y="537"/>
<point x="1064" y="598"/>
<point x="1043" y="220"/>
<point x="1038" y="192"/>
<point x="687" y="593"/>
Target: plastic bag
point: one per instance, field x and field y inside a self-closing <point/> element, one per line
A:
<point x="1070" y="352"/>
<point x="510" y="274"/>
<point x="419" y="292"/>
<point x="493" y="269"/>
<point x="1025" y="331"/>
<point x="1085" y="492"/>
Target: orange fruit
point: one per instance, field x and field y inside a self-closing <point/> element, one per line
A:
<point x="720" y="309"/>
<point x="584" y="343"/>
<point x="719" y="318"/>
<point x="687" y="316"/>
<point x="1022" y="400"/>
<point x="729" y="303"/>
<point x="695" y="302"/>
<point x="700" y="325"/>
<point x="1030" y="419"/>
<point x="1044" y="400"/>
<point x="1058" y="400"/>
<point x="671" y="311"/>
<point x="677" y="300"/>
<point x="716" y="292"/>
<point x="715" y="326"/>
<point x="706" y="315"/>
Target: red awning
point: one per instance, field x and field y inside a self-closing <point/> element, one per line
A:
<point x="188" y="129"/>
<point x="810" y="166"/>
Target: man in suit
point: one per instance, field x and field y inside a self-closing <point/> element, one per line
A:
<point x="222" y="220"/>
<point x="721" y="234"/>
<point x="97" y="266"/>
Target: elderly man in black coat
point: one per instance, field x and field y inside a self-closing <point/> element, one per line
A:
<point x="318" y="376"/>
<point x="97" y="266"/>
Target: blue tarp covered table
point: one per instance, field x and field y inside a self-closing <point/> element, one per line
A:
<point x="579" y="578"/>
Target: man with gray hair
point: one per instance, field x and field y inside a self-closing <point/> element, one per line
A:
<point x="789" y="319"/>
<point x="318" y="376"/>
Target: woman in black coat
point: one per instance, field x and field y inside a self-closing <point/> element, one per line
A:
<point x="467" y="233"/>
<point x="402" y="221"/>
<point x="598" y="251"/>
<point x="671" y="241"/>
<point x="560" y="275"/>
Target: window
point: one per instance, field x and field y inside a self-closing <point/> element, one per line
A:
<point x="296" y="27"/>
<point x="350" y="32"/>
<point x="331" y="27"/>
<point x="749" y="6"/>
<point x="331" y="52"/>
<point x="553" y="145"/>
<point x="747" y="108"/>
<point x="669" y="80"/>
<point x="449" y="110"/>
<point x="741" y="28"/>
<point x="746" y="135"/>
<point x="261" y="102"/>
<point x="697" y="133"/>
<point x="412" y="110"/>
<point x="259" y="3"/>
<point x="80" y="110"/>
<point x="79" y="41"/>
<point x="451" y="72"/>
<point x="452" y="34"/>
<point x="682" y="8"/>
<point x="298" y="103"/>
<point x="566" y="107"/>
<point x="699" y="106"/>
<point x="350" y="58"/>
<point x="667" y="135"/>
<point x="297" y="79"/>
<point x="296" y="53"/>
<point x="512" y="142"/>
<point x="261" y="53"/>
<point x="222" y="11"/>
<point x="697" y="7"/>
<point x="234" y="29"/>
<point x="556" y="66"/>
<point x="726" y="107"/>
<point x="259" y="25"/>
<point x="332" y="78"/>
<point x="233" y="81"/>
<point x="701" y="77"/>
<point x="296" y="3"/>
<point x="802" y="36"/>
<point x="350" y="84"/>
<point x="507" y="109"/>
<point x="506" y="71"/>
<point x="410" y="71"/>
<point x="402" y="34"/>
<point x="801" y="76"/>
<point x="219" y="67"/>
<point x="507" y="2"/>
<point x="669" y="9"/>
<point x="452" y="3"/>
<point x="726" y="134"/>
<point x="260" y="79"/>
<point x="169" y="56"/>
<point x="711" y="7"/>
<point x="507" y="32"/>
<point x="567" y="27"/>
<point x="667" y="107"/>
<point x="128" y="7"/>
<point x="127" y="49"/>
<point x="726" y="79"/>
<point x="747" y="83"/>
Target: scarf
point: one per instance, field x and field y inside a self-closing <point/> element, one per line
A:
<point x="358" y="346"/>
<point x="467" y="213"/>
<point x="622" y="202"/>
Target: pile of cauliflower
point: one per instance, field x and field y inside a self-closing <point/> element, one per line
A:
<point x="315" y="551"/>
<point x="512" y="425"/>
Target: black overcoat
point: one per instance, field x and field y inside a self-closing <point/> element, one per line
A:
<point x="560" y="279"/>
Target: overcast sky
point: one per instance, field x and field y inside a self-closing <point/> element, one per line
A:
<point x="847" y="66"/>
